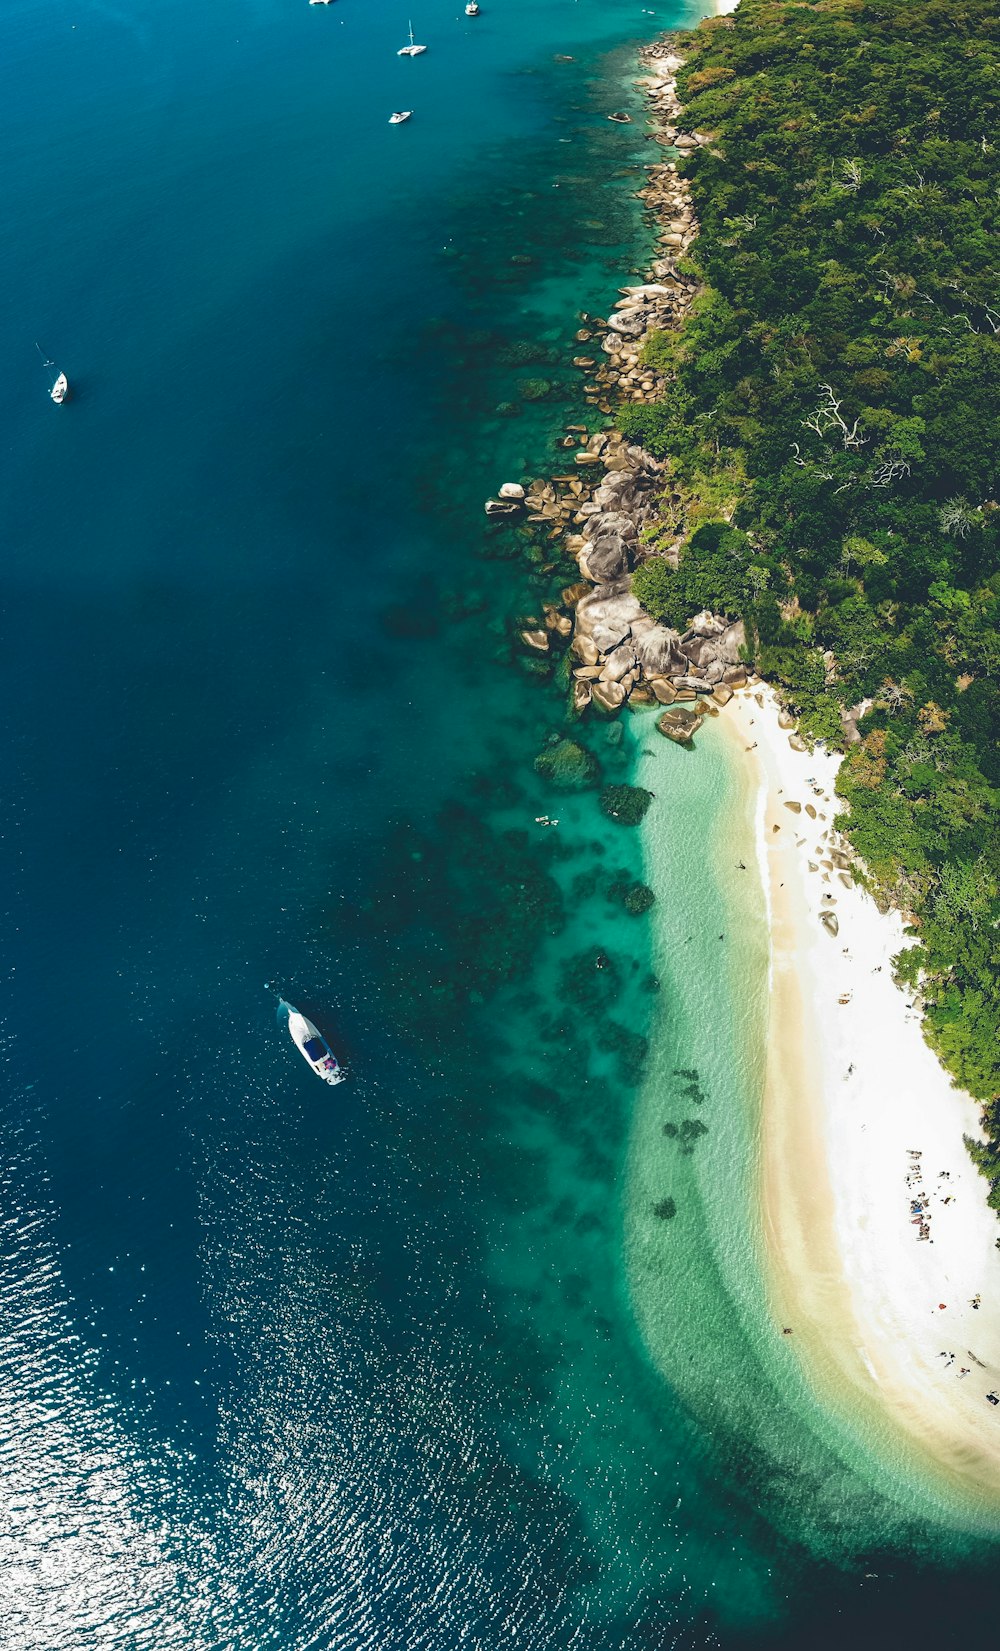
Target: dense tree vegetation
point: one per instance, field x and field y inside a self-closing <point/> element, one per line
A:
<point x="834" y="405"/>
<point x="712" y="574"/>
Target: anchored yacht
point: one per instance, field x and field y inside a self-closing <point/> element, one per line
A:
<point x="60" y="389"/>
<point x="313" y="1047"/>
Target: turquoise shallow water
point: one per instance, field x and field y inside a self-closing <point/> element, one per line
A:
<point x="276" y="1369"/>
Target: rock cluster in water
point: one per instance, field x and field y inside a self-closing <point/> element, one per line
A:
<point x="597" y="508"/>
<point x="568" y="766"/>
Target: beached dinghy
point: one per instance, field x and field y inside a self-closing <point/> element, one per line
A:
<point x="313" y="1047"/>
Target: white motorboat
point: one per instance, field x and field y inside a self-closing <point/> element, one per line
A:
<point x="398" y="118"/>
<point x="313" y="1047"/>
<point x="319" y="2"/>
<point x="411" y="50"/>
<point x="60" y="389"/>
<point x="472" y="9"/>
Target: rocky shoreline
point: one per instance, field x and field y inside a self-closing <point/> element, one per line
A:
<point x="600" y="509"/>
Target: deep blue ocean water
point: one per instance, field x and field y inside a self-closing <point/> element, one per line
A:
<point x="283" y="1367"/>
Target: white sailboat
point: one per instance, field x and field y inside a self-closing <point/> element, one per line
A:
<point x="60" y="389"/>
<point x="411" y="50"/>
<point x="472" y="9"/>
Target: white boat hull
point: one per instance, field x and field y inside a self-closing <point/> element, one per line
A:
<point x="313" y="1047"/>
<point x="60" y="389"/>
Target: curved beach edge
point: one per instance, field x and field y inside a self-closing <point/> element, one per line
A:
<point x="881" y="1249"/>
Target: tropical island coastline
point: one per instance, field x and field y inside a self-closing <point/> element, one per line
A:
<point x="882" y="1250"/>
<point x="880" y="1242"/>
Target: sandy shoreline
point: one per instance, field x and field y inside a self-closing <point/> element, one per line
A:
<point x="852" y="1093"/>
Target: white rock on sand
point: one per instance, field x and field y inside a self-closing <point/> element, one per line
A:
<point x="883" y="1320"/>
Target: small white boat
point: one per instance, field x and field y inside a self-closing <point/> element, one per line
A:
<point x="313" y="1047"/>
<point x="398" y="118"/>
<point x="472" y="9"/>
<point x="319" y="2"/>
<point x="411" y="50"/>
<point x="60" y="389"/>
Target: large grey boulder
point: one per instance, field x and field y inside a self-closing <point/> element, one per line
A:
<point x="679" y="725"/>
<point x="733" y="638"/>
<point x="619" y="663"/>
<point x="650" y="290"/>
<point x="657" y="649"/>
<point x="610" y="521"/>
<point x="607" y="614"/>
<point x="720" y="646"/>
<point x="629" y="323"/>
<point x="697" y="649"/>
<point x="607" y="558"/>
<point x="849" y="718"/>
<point x="586" y="650"/>
<point x="608" y="697"/>
<point x="604" y="496"/>
<point x="609" y="637"/>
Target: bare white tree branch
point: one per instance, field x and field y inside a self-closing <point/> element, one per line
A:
<point x="889" y="470"/>
<point x="829" y="417"/>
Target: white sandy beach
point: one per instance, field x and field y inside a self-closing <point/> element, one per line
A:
<point x="861" y="1125"/>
